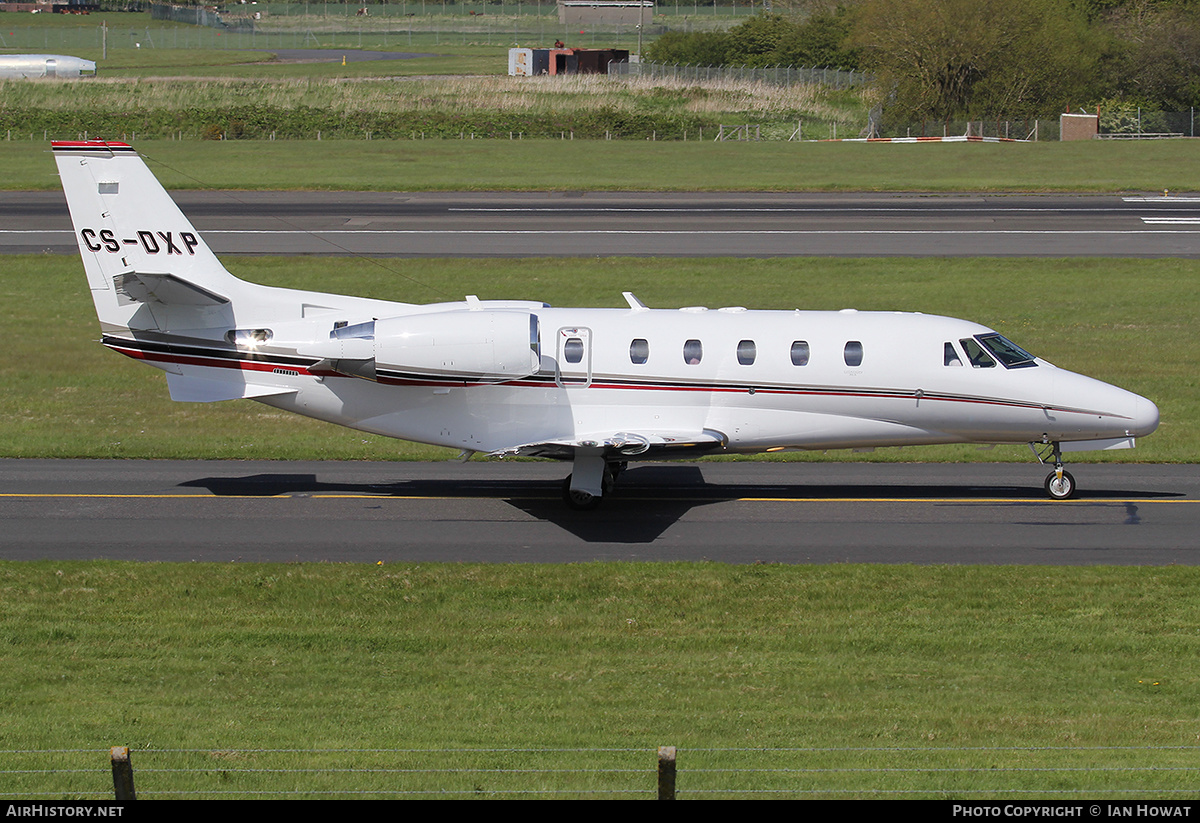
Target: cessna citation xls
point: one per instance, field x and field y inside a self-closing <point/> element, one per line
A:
<point x="598" y="387"/>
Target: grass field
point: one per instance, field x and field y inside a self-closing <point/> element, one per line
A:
<point x="1123" y="321"/>
<point x="951" y="682"/>
<point x="497" y="107"/>
<point x="530" y="165"/>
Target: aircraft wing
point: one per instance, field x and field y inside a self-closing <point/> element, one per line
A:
<point x="642" y="445"/>
<point x="188" y="387"/>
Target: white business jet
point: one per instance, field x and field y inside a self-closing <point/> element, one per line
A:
<point x="598" y="387"/>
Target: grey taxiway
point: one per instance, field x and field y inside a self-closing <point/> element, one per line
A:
<point x="496" y="511"/>
<point x="435" y="224"/>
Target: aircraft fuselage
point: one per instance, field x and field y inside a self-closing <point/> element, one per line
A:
<point x="754" y="380"/>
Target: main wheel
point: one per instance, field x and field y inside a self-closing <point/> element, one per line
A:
<point x="580" y="501"/>
<point x="1060" y="489"/>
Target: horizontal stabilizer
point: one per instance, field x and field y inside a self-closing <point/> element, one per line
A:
<point x="188" y="389"/>
<point x="144" y="287"/>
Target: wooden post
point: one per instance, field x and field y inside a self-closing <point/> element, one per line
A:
<point x="122" y="769"/>
<point x="666" y="772"/>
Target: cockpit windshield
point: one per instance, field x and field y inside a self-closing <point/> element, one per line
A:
<point x="1010" y="355"/>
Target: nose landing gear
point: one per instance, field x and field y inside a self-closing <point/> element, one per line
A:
<point x="1060" y="485"/>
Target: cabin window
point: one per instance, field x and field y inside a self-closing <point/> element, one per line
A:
<point x="853" y="353"/>
<point x="746" y="352"/>
<point x="800" y="353"/>
<point x="951" y="355"/>
<point x="693" y="352"/>
<point x="975" y="353"/>
<point x="639" y="351"/>
<point x="573" y="350"/>
<point x="1010" y="355"/>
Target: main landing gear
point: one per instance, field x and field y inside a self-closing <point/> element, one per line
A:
<point x="587" y="484"/>
<point x="1060" y="485"/>
<point x="578" y="499"/>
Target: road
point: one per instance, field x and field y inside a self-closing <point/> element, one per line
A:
<point x="434" y="224"/>
<point x="231" y="511"/>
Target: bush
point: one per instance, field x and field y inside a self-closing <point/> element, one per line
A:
<point x="765" y="40"/>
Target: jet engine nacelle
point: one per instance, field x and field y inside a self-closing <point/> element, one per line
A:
<point x="491" y="346"/>
<point x="472" y="345"/>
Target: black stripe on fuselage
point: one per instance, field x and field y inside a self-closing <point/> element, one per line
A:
<point x="230" y="357"/>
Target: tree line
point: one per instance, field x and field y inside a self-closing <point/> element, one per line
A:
<point x="976" y="58"/>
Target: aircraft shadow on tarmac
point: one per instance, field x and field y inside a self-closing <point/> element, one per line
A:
<point x="647" y="501"/>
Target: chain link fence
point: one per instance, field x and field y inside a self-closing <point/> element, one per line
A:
<point x="1004" y="128"/>
<point x="1140" y="123"/>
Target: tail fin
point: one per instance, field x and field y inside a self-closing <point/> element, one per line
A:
<point x="147" y="267"/>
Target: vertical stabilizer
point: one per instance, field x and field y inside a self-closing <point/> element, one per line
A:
<point x="146" y="265"/>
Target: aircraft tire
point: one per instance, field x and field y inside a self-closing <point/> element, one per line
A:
<point x="578" y="500"/>
<point x="1060" y="489"/>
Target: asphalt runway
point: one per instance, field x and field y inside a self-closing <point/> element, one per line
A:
<point x="240" y="511"/>
<point x="438" y="224"/>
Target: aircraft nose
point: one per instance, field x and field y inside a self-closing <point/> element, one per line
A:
<point x="1145" y="418"/>
<point x="1113" y="412"/>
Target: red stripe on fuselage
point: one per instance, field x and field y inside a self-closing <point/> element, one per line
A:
<point x="882" y="394"/>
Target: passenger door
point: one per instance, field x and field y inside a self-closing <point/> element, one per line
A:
<point x="573" y="357"/>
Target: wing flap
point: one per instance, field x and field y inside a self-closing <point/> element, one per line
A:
<point x="623" y="444"/>
<point x="186" y="388"/>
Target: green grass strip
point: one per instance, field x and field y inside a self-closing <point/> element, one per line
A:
<point x="502" y="164"/>
<point x="929" y="674"/>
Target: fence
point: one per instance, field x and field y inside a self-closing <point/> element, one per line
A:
<point x="775" y="75"/>
<point x="628" y="773"/>
<point x="25" y="127"/>
<point x="688" y="11"/>
<point x="1126" y="124"/>
<point x="1024" y="128"/>
<point x="338" y="25"/>
<point x="405" y="34"/>
<point x="1146" y="124"/>
<point x="195" y="16"/>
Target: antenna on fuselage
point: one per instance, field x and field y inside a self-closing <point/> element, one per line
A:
<point x="634" y="303"/>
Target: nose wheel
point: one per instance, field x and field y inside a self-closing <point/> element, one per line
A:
<point x="1060" y="485"/>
